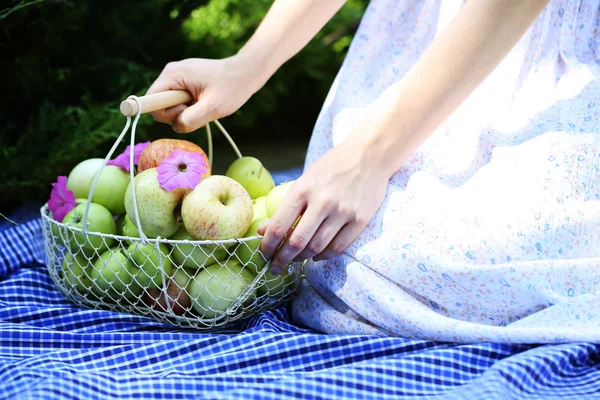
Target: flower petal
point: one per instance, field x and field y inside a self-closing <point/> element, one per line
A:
<point x="122" y="160"/>
<point x="62" y="200"/>
<point x="169" y="175"/>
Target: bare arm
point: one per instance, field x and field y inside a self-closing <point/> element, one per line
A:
<point x="459" y="59"/>
<point x="221" y="87"/>
<point x="288" y="26"/>
<point x="338" y="195"/>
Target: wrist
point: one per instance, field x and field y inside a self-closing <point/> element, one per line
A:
<point x="256" y="64"/>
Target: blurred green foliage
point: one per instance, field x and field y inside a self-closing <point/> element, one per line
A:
<point x="68" y="64"/>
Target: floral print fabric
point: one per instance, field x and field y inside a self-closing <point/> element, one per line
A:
<point x="491" y="231"/>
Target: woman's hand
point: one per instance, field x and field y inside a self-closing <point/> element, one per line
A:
<point x="336" y="198"/>
<point x="219" y="88"/>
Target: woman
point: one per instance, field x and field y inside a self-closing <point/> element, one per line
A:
<point x="452" y="182"/>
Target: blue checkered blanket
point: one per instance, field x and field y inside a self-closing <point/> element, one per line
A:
<point x="50" y="349"/>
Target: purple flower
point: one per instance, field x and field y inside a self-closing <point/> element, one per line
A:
<point x="183" y="169"/>
<point x="62" y="200"/>
<point x="122" y="160"/>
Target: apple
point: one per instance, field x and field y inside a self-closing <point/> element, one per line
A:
<point x="252" y="175"/>
<point x="112" y="275"/>
<point x="160" y="149"/>
<point x="276" y="286"/>
<point x="129" y="227"/>
<point x="81" y="176"/>
<point x="215" y="288"/>
<point x="217" y="208"/>
<point x="99" y="220"/>
<point x="119" y="222"/>
<point x="195" y="256"/>
<point x="158" y="208"/>
<point x="247" y="251"/>
<point x="110" y="189"/>
<point x="276" y="196"/>
<point x="150" y="268"/>
<point x="176" y="293"/>
<point x="76" y="270"/>
<point x="260" y="208"/>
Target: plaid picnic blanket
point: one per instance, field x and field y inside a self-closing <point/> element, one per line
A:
<point x="51" y="349"/>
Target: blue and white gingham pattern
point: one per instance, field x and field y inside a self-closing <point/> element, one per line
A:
<point x="50" y="349"/>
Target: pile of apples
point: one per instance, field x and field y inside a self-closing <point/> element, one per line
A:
<point x="177" y="276"/>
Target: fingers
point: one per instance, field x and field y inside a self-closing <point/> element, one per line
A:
<point x="192" y="117"/>
<point x="167" y="115"/>
<point x="280" y="224"/>
<point x="298" y="239"/>
<point x="342" y="240"/>
<point x="321" y="239"/>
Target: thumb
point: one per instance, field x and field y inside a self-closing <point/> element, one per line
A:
<point x="192" y="118"/>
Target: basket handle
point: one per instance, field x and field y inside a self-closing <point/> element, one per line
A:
<point x="154" y="102"/>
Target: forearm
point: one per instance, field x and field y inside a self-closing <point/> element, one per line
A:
<point x="459" y="59"/>
<point x="288" y="26"/>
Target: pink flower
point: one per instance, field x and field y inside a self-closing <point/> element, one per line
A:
<point x="122" y="160"/>
<point x="183" y="169"/>
<point x="62" y="200"/>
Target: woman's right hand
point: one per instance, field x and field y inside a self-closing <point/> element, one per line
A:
<point x="219" y="88"/>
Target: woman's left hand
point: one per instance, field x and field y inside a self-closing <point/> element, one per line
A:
<point x="336" y="198"/>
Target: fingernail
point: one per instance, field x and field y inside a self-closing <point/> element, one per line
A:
<point x="275" y="270"/>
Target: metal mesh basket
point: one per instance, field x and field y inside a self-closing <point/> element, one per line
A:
<point x="192" y="283"/>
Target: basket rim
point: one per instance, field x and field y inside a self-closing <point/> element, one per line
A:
<point x="46" y="214"/>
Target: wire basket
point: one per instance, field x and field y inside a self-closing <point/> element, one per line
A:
<point x="203" y="284"/>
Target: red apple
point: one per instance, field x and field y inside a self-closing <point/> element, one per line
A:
<point x="176" y="291"/>
<point x="160" y="149"/>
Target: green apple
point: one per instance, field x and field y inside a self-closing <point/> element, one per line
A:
<point x="276" y="196"/>
<point x="247" y="250"/>
<point x="146" y="258"/>
<point x="252" y="175"/>
<point x="276" y="286"/>
<point x="216" y="288"/>
<point x="112" y="275"/>
<point x="119" y="222"/>
<point x="218" y="208"/>
<point x="195" y="256"/>
<point x="82" y="175"/>
<point x="76" y="272"/>
<point x="81" y="200"/>
<point x="110" y="189"/>
<point x="129" y="228"/>
<point x="158" y="208"/>
<point x="99" y="220"/>
<point x="260" y="208"/>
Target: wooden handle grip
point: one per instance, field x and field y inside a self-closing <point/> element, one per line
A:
<point x="156" y="101"/>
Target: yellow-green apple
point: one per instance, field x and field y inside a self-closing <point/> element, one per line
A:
<point x="217" y="208"/>
<point x="81" y="176"/>
<point x="216" y="288"/>
<point x="176" y="293"/>
<point x="276" y="196"/>
<point x="160" y="149"/>
<point x="252" y="175"/>
<point x="158" y="208"/>
<point x="129" y="228"/>
<point x="150" y="267"/>
<point x="195" y="256"/>
<point x="260" y="208"/>
<point x="99" y="220"/>
<point x="247" y="251"/>
<point x="76" y="272"/>
<point x="112" y="275"/>
<point x="276" y="286"/>
<point x="110" y="189"/>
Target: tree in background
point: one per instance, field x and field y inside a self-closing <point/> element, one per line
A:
<point x="68" y="64"/>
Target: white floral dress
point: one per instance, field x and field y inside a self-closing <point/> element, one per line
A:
<point x="491" y="231"/>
